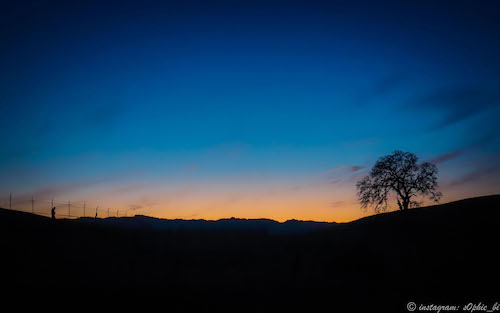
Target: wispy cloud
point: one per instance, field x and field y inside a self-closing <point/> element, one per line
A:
<point x="63" y="189"/>
<point x="126" y="190"/>
<point x="455" y="103"/>
<point x="336" y="204"/>
<point x="382" y="87"/>
<point x="345" y="174"/>
<point x="447" y="156"/>
<point x="336" y="169"/>
<point x="355" y="168"/>
<point x="144" y="205"/>
<point x="474" y="176"/>
<point x="347" y="169"/>
<point x="456" y="153"/>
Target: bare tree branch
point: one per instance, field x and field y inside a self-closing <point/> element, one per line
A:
<point x="399" y="175"/>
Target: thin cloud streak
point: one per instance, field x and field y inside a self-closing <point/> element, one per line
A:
<point x="349" y="169"/>
<point x="455" y="103"/>
<point x="336" y="169"/>
<point x="474" y="176"/>
<point x="456" y="153"/>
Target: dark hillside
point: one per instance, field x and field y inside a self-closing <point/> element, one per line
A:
<point x="439" y="252"/>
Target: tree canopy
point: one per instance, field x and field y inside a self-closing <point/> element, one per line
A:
<point x="398" y="175"/>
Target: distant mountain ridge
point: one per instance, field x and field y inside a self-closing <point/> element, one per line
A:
<point x="228" y="224"/>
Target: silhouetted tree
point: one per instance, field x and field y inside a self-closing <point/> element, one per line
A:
<point x="401" y="176"/>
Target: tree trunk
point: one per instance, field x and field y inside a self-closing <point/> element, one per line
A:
<point x="406" y="204"/>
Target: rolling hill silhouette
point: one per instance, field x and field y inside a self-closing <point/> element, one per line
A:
<point x="444" y="252"/>
<point x="229" y="224"/>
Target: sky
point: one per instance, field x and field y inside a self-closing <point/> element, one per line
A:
<point x="247" y="109"/>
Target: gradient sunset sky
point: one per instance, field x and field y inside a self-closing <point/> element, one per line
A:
<point x="250" y="109"/>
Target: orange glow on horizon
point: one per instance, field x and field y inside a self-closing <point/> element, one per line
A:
<point x="311" y="200"/>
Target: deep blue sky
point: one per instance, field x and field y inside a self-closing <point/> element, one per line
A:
<point x="229" y="101"/>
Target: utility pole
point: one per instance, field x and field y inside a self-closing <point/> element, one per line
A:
<point x="10" y="201"/>
<point x="32" y="205"/>
<point x="84" y="209"/>
<point x="69" y="209"/>
<point x="108" y="212"/>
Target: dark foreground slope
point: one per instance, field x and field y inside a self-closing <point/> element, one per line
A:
<point x="434" y="254"/>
